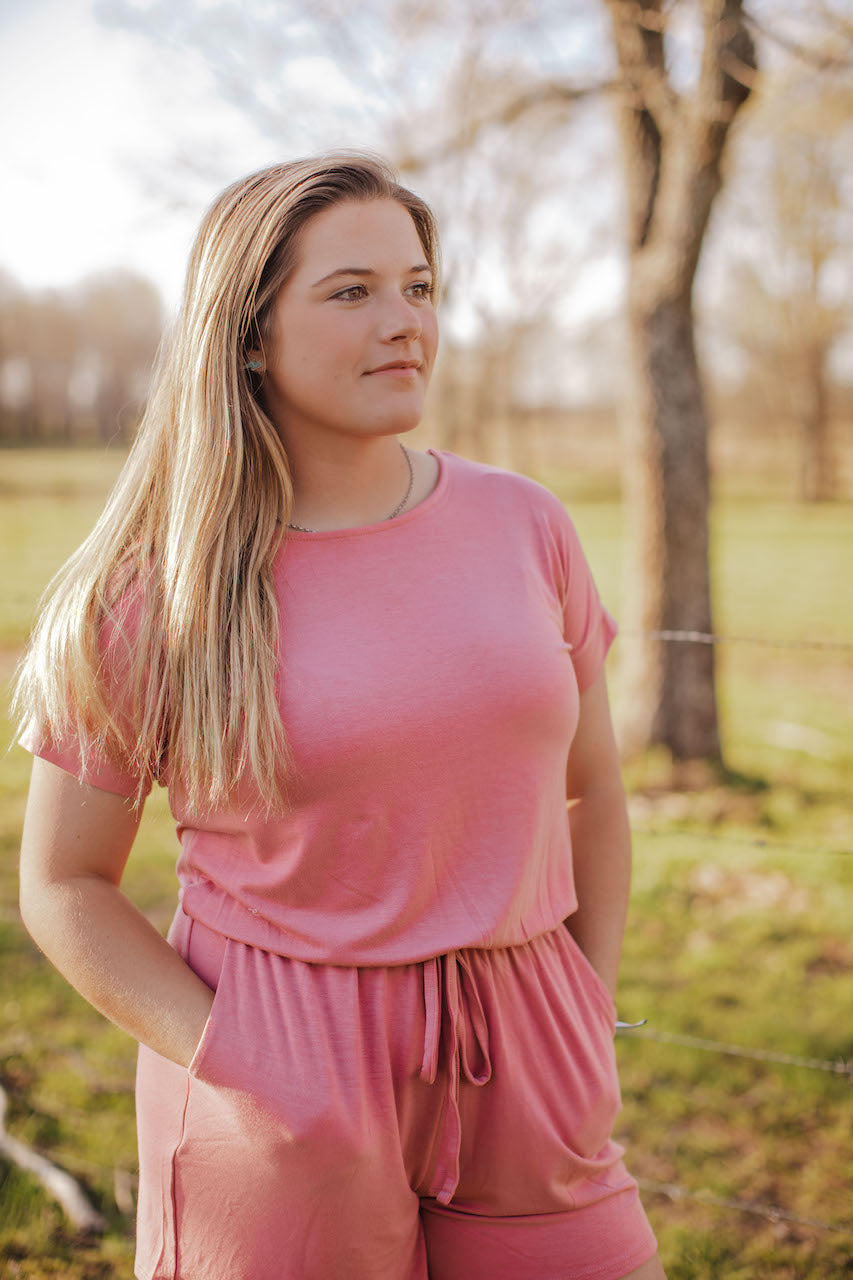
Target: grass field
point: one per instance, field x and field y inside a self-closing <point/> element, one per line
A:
<point x="738" y="933"/>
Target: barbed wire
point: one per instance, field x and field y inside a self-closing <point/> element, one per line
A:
<point x="673" y="1190"/>
<point x="838" y="1067"/>
<point x="128" y="1177"/>
<point x="705" y="1196"/>
<point x="780" y="846"/>
<point x="706" y="637"/>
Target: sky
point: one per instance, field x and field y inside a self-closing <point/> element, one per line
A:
<point x="89" y="116"/>
<point x="96" y="117"/>
<point x="114" y="144"/>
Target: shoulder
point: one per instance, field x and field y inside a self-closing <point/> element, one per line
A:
<point x="125" y="610"/>
<point x="529" y="512"/>
<point x="498" y="484"/>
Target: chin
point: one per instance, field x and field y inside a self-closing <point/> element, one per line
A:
<point x="412" y="418"/>
<point x="395" y="423"/>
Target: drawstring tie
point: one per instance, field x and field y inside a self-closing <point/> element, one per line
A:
<point x="457" y="996"/>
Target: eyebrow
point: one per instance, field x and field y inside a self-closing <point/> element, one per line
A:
<point x="364" y="271"/>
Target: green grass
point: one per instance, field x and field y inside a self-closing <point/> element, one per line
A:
<point x="727" y="940"/>
<point x="49" y="500"/>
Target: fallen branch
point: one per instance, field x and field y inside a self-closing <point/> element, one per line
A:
<point x="56" y="1182"/>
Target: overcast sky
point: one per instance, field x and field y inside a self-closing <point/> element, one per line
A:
<point x="88" y="112"/>
<point x="94" y="118"/>
<point x="113" y="143"/>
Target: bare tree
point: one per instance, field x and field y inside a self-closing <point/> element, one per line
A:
<point x="39" y="342"/>
<point x="15" y="380"/>
<point x="71" y="356"/>
<point x="120" y="316"/>
<point x="672" y="145"/>
<point x="787" y="305"/>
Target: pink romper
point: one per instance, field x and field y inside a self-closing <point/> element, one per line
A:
<point x="408" y="1070"/>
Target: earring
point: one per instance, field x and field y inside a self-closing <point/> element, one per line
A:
<point x="254" y="365"/>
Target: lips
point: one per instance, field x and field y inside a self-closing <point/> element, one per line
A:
<point x="396" y="364"/>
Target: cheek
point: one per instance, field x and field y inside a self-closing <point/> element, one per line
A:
<point x="429" y="337"/>
<point x="316" y="353"/>
<point x="332" y="349"/>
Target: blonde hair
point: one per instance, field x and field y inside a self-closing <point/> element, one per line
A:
<point x="192" y="525"/>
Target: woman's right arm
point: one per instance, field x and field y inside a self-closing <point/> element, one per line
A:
<point x="75" y="845"/>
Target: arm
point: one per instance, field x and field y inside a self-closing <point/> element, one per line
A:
<point x="74" y="848"/>
<point x="601" y="838"/>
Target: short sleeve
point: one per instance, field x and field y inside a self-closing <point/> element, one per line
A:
<point x="101" y="771"/>
<point x="66" y="751"/>
<point x="588" y="627"/>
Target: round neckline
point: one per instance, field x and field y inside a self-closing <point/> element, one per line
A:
<point x="433" y="498"/>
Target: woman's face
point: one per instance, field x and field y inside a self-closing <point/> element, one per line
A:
<point x="358" y="299"/>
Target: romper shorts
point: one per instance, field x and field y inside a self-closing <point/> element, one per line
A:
<point x="448" y="1119"/>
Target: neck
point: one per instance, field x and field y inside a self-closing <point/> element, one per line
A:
<point x="344" y="490"/>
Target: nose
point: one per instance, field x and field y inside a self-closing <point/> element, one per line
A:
<point x="399" y="320"/>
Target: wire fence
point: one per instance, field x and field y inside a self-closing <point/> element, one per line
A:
<point x="703" y="1195"/>
<point x="126" y="1180"/>
<point x="746" y="842"/>
<point x="755" y="842"/>
<point x="838" y="1067"/>
<point x="705" y="637"/>
<point x="675" y="1192"/>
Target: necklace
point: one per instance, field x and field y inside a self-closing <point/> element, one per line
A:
<point x="396" y="510"/>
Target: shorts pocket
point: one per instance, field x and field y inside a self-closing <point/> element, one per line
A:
<point x="201" y="1064"/>
<point x="594" y="981"/>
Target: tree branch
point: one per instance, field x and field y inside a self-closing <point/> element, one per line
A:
<point x="549" y="93"/>
<point x="727" y="45"/>
<point x="821" y="61"/>
<point x="56" y="1182"/>
<point x="727" y="75"/>
<point x="639" y="35"/>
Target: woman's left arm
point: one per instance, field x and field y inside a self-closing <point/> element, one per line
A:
<point x="601" y="836"/>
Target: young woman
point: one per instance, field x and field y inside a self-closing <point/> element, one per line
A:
<point x="377" y="1043"/>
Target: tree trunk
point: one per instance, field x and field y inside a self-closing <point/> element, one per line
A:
<point x="668" y="687"/>
<point x="817" y="478"/>
<point x="671" y="147"/>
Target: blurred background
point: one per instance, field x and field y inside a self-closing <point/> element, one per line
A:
<point x="124" y="119"/>
<point x="647" y="222"/>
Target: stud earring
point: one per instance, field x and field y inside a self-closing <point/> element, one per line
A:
<point x="254" y="365"/>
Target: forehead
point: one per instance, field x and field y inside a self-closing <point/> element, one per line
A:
<point x="359" y="233"/>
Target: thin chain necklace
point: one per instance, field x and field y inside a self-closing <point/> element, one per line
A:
<point x="396" y="510"/>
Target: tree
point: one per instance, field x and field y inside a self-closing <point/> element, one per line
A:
<point x="70" y="356"/>
<point x="120" y="317"/>
<point x="672" y="144"/>
<point x="787" y="305"/>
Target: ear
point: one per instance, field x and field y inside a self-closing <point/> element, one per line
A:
<point x="253" y="351"/>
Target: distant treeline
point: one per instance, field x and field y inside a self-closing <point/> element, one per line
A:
<point x="75" y="363"/>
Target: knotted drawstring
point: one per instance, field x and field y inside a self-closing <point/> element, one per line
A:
<point x="468" y="1034"/>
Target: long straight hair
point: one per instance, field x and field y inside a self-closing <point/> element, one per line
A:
<point x="174" y="587"/>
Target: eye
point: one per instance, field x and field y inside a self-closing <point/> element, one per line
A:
<point x="351" y="294"/>
<point x="355" y="292"/>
